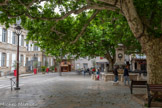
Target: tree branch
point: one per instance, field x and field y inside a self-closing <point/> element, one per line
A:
<point x="85" y="26"/>
<point x="30" y="4"/>
<point x="14" y="16"/>
<point x="4" y="3"/>
<point x="111" y="2"/>
<point x="60" y="18"/>
<point x="57" y="32"/>
<point x="95" y="6"/>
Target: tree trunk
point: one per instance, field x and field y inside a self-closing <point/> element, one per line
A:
<point x="151" y="46"/>
<point x="111" y="64"/>
<point x="154" y="60"/>
<point x="111" y="61"/>
<point x="59" y="69"/>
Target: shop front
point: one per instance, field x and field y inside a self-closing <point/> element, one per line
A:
<point x="65" y="66"/>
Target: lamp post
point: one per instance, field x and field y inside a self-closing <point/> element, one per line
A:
<point x="60" y="73"/>
<point x="18" y="32"/>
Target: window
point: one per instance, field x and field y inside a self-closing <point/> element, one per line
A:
<point x="13" y="38"/>
<point x="35" y="48"/>
<point x="27" y="47"/>
<point x="135" y="65"/>
<point x="84" y="57"/>
<point x="3" y="59"/>
<point x="22" y="40"/>
<point x="78" y="66"/>
<point x="21" y="60"/>
<point x="85" y="65"/>
<point x="4" y="35"/>
<point x="65" y="62"/>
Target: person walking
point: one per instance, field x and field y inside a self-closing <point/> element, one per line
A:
<point x="88" y="71"/>
<point x="116" y="74"/>
<point x="98" y="74"/>
<point x="126" y="75"/>
<point x="93" y="70"/>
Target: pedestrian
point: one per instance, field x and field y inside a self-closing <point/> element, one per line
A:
<point x="93" y="70"/>
<point x="126" y="75"/>
<point x="98" y="74"/>
<point x="116" y="73"/>
<point x="84" y="71"/>
<point x="87" y="70"/>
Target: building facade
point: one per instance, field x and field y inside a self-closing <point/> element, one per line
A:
<point x="36" y="58"/>
<point x="135" y="62"/>
<point x="98" y="62"/>
<point x="8" y="50"/>
<point x="29" y="53"/>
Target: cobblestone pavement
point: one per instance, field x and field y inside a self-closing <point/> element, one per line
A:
<point x="68" y="91"/>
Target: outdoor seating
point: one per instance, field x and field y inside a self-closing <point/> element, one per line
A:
<point x="152" y="91"/>
<point x="137" y="84"/>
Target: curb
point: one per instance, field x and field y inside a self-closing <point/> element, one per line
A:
<point x="26" y="75"/>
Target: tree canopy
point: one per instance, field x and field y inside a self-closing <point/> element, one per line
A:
<point x="143" y="16"/>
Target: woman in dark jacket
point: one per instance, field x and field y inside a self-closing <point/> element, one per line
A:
<point x="126" y="75"/>
<point x="116" y="74"/>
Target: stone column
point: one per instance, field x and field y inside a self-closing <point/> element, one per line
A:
<point x="120" y="58"/>
<point x="120" y="55"/>
<point x="105" y="68"/>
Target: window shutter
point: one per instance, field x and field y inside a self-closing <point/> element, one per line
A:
<point x="38" y="48"/>
<point x="29" y="46"/>
<point x="38" y="59"/>
<point x="20" y="40"/>
<point x="8" y="58"/>
<point x="0" y="34"/>
<point x="32" y="47"/>
<point x="8" y="35"/>
<point x="29" y="59"/>
<point x="24" y="42"/>
<point x="24" y="59"/>
<point x="13" y="60"/>
<point x="0" y="58"/>
<point x="11" y="37"/>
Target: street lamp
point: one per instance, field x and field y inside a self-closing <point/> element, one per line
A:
<point x="18" y="31"/>
<point x="60" y="73"/>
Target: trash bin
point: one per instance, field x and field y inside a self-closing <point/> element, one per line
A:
<point x="55" y="69"/>
<point x="35" y="71"/>
<point x="15" y="72"/>
<point x="47" y="69"/>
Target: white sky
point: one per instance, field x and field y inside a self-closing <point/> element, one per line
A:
<point x="57" y="10"/>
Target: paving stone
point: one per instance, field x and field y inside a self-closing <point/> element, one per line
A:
<point x="70" y="91"/>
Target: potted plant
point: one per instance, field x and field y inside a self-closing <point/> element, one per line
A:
<point x="43" y="68"/>
<point x="46" y="64"/>
<point x="14" y="65"/>
<point x="35" y="67"/>
<point x="52" y="68"/>
<point x="56" y="66"/>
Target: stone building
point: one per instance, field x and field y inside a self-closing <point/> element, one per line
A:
<point x="8" y="50"/>
<point x="139" y="62"/>
<point x="35" y="56"/>
<point x="28" y="53"/>
<point x="84" y="63"/>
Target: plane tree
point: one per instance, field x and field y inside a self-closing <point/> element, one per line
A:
<point x="103" y="36"/>
<point x="144" y="19"/>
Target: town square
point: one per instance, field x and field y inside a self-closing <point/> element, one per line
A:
<point x="80" y="53"/>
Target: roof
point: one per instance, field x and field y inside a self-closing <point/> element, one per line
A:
<point x="139" y="56"/>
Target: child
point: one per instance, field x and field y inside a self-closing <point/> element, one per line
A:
<point x="98" y="73"/>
